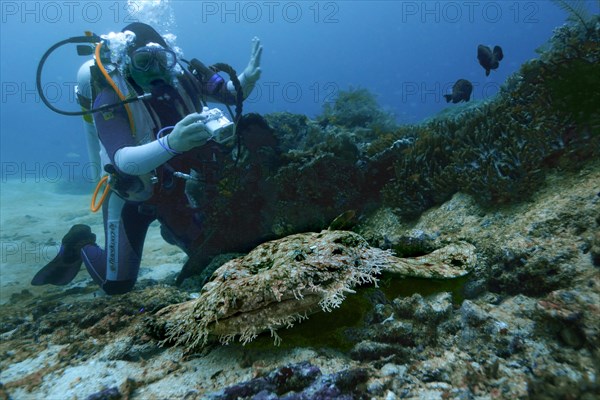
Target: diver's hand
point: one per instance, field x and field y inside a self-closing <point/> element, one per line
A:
<point x="253" y="71"/>
<point x="190" y="132"/>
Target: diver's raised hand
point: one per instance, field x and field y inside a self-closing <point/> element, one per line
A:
<point x="188" y="133"/>
<point x="253" y="71"/>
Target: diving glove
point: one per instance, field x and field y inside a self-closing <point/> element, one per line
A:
<point x="188" y="133"/>
<point x="252" y="72"/>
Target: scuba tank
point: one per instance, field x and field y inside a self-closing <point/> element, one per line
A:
<point x="83" y="91"/>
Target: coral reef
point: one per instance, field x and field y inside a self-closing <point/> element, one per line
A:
<point x="522" y="324"/>
<point x="527" y="316"/>
<point x="283" y="281"/>
<point x="353" y="157"/>
<point x="503" y="339"/>
<point x="500" y="150"/>
<point x="356" y="108"/>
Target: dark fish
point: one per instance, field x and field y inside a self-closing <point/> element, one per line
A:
<point x="461" y="91"/>
<point x="489" y="59"/>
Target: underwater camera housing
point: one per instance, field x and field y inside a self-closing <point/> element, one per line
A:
<point x="220" y="128"/>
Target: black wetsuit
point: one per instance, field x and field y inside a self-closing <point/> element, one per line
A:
<point x="115" y="268"/>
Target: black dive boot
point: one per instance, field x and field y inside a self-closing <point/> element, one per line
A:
<point x="67" y="263"/>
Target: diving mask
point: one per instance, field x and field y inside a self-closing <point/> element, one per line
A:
<point x="144" y="58"/>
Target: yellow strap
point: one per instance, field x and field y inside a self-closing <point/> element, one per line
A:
<point x="93" y="206"/>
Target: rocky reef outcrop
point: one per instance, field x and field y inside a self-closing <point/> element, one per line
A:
<point x="304" y="173"/>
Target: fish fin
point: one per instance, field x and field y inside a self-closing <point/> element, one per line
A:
<point x="498" y="53"/>
<point x="448" y="97"/>
<point x="487" y="72"/>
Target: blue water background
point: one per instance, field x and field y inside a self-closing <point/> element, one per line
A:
<point x="408" y="53"/>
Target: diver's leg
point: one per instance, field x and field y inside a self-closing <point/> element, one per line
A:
<point x="116" y="267"/>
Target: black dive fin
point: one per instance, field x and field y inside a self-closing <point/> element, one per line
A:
<point x="65" y="266"/>
<point x="57" y="272"/>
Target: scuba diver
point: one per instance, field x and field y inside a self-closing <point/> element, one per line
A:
<point x="148" y="126"/>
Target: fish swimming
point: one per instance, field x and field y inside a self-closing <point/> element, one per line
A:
<point x="461" y="91"/>
<point x="489" y="59"/>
